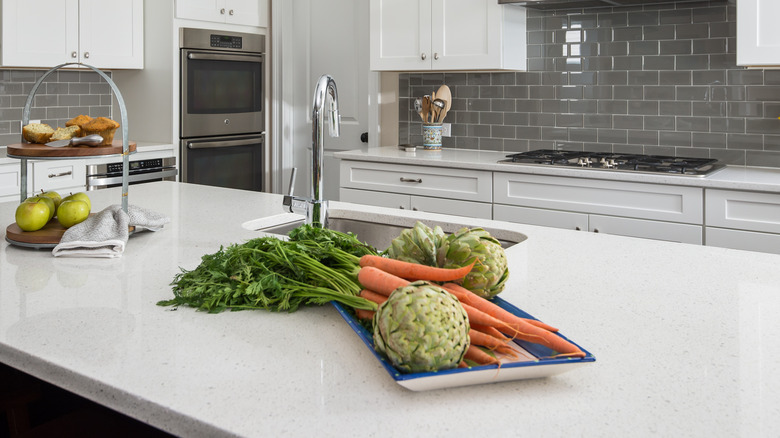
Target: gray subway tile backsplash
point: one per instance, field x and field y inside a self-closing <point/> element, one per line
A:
<point x="63" y="95"/>
<point x="658" y="79"/>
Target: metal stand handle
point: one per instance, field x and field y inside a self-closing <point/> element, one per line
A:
<point x="122" y="109"/>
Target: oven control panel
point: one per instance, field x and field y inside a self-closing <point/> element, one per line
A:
<point x="155" y="163"/>
<point x="226" y="41"/>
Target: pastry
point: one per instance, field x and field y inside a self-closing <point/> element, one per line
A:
<point x="37" y="132"/>
<point x="79" y="121"/>
<point x="102" y="126"/>
<point x="65" y="133"/>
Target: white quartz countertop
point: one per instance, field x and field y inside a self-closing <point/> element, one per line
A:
<point x="764" y="179"/>
<point x="684" y="337"/>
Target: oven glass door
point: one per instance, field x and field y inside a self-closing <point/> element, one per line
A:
<point x="222" y="93"/>
<point x="233" y="162"/>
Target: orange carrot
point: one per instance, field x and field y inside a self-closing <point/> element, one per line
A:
<point x="480" y="357"/>
<point x="492" y="331"/>
<point x="466" y="296"/>
<point x="364" y="314"/>
<point x="525" y="331"/>
<point x="478" y="338"/>
<point x="414" y="271"/>
<point x="373" y="296"/>
<point x="378" y="281"/>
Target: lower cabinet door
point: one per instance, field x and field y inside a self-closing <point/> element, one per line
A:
<point x="378" y="199"/>
<point x="453" y="207"/>
<point x="746" y="240"/>
<point x="668" y="231"/>
<point x="542" y="217"/>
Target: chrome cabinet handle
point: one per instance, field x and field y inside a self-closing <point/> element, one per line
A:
<point x="56" y="175"/>
<point x="230" y="12"/>
<point x="222" y="11"/>
<point x="414" y="208"/>
<point x="595" y="230"/>
<point x="402" y="207"/>
<point x="435" y="56"/>
<point x="74" y="54"/>
<point x="411" y="180"/>
<point x="423" y="56"/>
<point x="86" y="54"/>
<point x="577" y="229"/>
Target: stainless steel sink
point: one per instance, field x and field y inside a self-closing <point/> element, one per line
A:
<point x="381" y="232"/>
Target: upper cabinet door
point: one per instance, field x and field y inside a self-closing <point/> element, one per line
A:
<point x="440" y="35"/>
<point x="758" y="39"/>
<point x="466" y="34"/>
<point x="47" y="45"/>
<point x="242" y="12"/>
<point x="247" y="12"/>
<point x="400" y="34"/>
<point x="120" y="48"/>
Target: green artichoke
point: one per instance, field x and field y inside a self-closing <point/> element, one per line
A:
<point x="421" y="328"/>
<point x="417" y="244"/>
<point x="490" y="271"/>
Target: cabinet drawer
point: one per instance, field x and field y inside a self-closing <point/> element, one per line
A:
<point x="453" y="207"/>
<point x="668" y="231"/>
<point x="378" y="199"/>
<point x="615" y="198"/>
<point x="746" y="240"/>
<point x="56" y="174"/>
<point x="465" y="184"/>
<point x="743" y="210"/>
<point x="10" y="180"/>
<point x="542" y="217"/>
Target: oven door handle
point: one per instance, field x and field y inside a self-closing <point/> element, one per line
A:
<point x="223" y="143"/>
<point x="166" y="173"/>
<point x="223" y="57"/>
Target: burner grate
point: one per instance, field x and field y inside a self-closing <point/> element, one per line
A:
<point x="660" y="164"/>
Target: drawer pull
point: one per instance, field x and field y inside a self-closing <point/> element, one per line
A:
<point x="578" y="228"/>
<point x="56" y="175"/>
<point x="411" y="180"/>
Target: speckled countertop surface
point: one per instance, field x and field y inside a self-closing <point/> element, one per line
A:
<point x="684" y="337"/>
<point x="731" y="177"/>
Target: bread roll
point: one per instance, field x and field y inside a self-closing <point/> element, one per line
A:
<point x="37" y="132"/>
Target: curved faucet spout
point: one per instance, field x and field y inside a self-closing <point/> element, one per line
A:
<point x="326" y="87"/>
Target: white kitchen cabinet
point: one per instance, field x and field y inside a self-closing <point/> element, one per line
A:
<point x="661" y="212"/>
<point x="241" y="12"/>
<point x="758" y="41"/>
<point x="45" y="33"/>
<point x="418" y="35"/>
<point x="59" y="175"/>
<point x="621" y="226"/>
<point x="460" y="192"/>
<point x="10" y="182"/>
<point x="743" y="220"/>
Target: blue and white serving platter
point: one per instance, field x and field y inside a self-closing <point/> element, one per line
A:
<point x="533" y="361"/>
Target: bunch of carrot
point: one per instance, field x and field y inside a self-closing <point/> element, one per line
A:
<point x="491" y="326"/>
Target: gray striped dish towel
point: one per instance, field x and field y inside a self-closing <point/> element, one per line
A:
<point x="105" y="233"/>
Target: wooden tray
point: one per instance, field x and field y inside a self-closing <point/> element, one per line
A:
<point x="47" y="237"/>
<point x="33" y="150"/>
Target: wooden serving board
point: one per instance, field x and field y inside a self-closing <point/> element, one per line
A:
<point x="49" y="235"/>
<point x="32" y="150"/>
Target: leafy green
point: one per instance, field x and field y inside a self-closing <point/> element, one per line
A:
<point x="314" y="267"/>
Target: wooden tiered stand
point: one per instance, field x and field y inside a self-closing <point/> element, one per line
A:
<point x="49" y="236"/>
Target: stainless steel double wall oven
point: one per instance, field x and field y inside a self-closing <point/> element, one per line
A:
<point x="222" y="108"/>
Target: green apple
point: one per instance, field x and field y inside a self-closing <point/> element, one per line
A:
<point x="54" y="197"/>
<point x="80" y="196"/>
<point x="46" y="200"/>
<point x="32" y="215"/>
<point x="71" y="212"/>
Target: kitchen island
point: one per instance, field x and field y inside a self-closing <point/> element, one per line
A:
<point x="683" y="336"/>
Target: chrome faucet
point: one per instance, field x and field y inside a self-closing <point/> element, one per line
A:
<point x="315" y="208"/>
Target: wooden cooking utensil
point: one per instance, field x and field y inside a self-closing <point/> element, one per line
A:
<point x="445" y="94"/>
<point x="426" y="107"/>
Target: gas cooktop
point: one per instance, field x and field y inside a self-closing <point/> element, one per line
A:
<point x="657" y="164"/>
